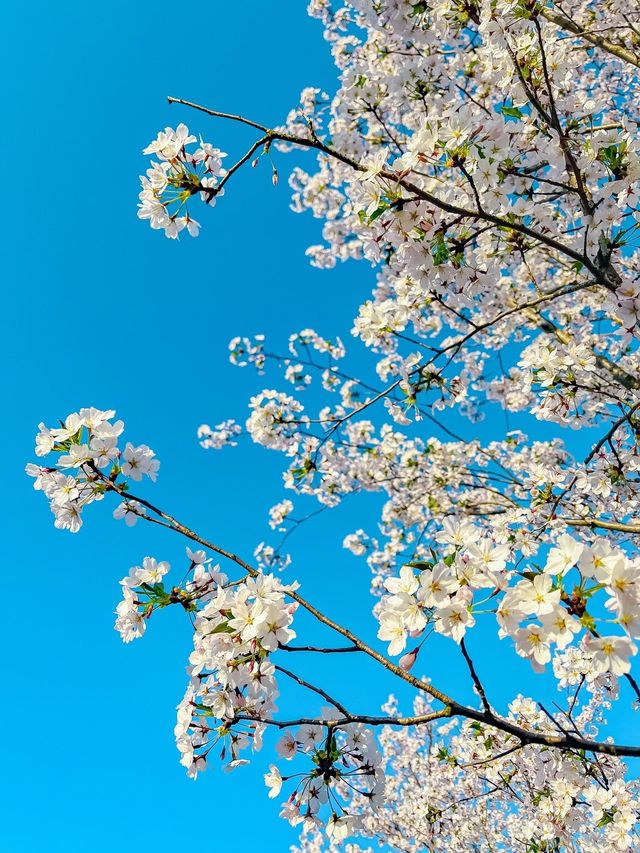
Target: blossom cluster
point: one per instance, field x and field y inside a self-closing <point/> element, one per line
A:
<point x="445" y="789"/>
<point x="279" y="512"/>
<point x="233" y="688"/>
<point x="274" y="420"/>
<point x="143" y="591"/>
<point x="243" y="351"/>
<point x="344" y="760"/>
<point x="222" y="435"/>
<point x="232" y="684"/>
<point x="176" y="177"/>
<point x="538" y="608"/>
<point x="88" y="463"/>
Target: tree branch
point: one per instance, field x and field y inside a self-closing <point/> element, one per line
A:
<point x="321" y="649"/>
<point x="597" y="41"/>
<point x="475" y="678"/>
<point x="217" y="114"/>
<point x="317" y="690"/>
<point x="451" y="708"/>
<point x="397" y="179"/>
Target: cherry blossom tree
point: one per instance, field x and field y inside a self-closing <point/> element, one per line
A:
<point x="483" y="157"/>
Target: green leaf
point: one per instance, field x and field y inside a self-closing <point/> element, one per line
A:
<point x="378" y="212"/>
<point x="588" y="621"/>
<point x="440" y="250"/>
<point x="222" y="628"/>
<point x="513" y="112"/>
<point x="423" y="565"/>
<point x="205" y="711"/>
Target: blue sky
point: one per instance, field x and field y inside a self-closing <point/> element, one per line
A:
<point x="99" y="310"/>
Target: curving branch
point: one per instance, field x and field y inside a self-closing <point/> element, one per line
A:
<point x="451" y="708"/>
<point x="599" y="274"/>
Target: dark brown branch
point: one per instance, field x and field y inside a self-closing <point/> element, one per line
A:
<point x="348" y="720"/>
<point x="319" y="649"/>
<point x="475" y="678"/>
<point x="451" y="707"/>
<point x="315" y="689"/>
<point x="217" y="114"/>
<point x="397" y="179"/>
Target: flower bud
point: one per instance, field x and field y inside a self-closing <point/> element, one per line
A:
<point x="408" y="660"/>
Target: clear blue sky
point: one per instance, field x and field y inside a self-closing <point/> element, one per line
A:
<point x="99" y="310"/>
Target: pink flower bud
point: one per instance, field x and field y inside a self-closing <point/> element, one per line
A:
<point x="408" y="660"/>
<point x="464" y="595"/>
<point x="274" y="177"/>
